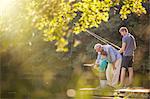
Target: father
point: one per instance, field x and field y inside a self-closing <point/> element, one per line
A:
<point x="128" y="47"/>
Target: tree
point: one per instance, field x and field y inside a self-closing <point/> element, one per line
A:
<point x="59" y="19"/>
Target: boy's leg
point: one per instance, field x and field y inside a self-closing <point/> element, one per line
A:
<point x="103" y="83"/>
<point x="130" y="69"/>
<point x="102" y="79"/>
<point x="116" y="74"/>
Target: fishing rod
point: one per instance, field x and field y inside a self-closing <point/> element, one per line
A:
<point x="102" y="39"/>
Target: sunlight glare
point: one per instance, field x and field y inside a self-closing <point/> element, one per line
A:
<point x="71" y="93"/>
<point x="5" y="5"/>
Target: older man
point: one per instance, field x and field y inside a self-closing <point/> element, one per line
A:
<point x="128" y="47"/>
<point x="114" y="61"/>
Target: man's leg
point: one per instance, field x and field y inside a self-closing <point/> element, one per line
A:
<point x="116" y="74"/>
<point x="130" y="69"/>
<point x="109" y="73"/>
<point x="122" y="77"/>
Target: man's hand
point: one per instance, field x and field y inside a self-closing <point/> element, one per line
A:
<point x="122" y="49"/>
<point x="113" y="65"/>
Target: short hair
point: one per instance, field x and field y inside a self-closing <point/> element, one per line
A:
<point x="98" y="45"/>
<point x="123" y="29"/>
<point x="104" y="53"/>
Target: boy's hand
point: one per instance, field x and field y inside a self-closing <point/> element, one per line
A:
<point x="95" y="66"/>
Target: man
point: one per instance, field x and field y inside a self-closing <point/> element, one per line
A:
<point x="128" y="47"/>
<point x="114" y="61"/>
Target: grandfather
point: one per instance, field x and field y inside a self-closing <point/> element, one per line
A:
<point x="114" y="63"/>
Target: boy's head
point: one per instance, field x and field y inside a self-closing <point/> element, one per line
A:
<point x="103" y="54"/>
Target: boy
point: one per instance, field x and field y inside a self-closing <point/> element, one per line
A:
<point x="102" y="69"/>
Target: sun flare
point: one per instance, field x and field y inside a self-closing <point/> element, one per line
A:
<point x="5" y="5"/>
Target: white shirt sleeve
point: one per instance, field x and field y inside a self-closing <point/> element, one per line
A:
<point x="98" y="58"/>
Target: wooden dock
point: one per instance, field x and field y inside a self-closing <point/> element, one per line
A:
<point x="109" y="93"/>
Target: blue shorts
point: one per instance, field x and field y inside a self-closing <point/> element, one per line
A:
<point x="127" y="61"/>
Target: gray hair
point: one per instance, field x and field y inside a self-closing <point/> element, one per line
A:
<point x="98" y="45"/>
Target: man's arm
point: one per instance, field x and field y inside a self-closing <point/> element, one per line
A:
<point x="112" y="57"/>
<point x="98" y="58"/>
<point x="122" y="48"/>
<point x="134" y="44"/>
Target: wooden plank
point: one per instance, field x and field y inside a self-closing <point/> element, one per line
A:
<point x="89" y="65"/>
<point x="88" y="89"/>
<point x="133" y="90"/>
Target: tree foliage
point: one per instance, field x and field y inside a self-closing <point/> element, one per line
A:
<point x="132" y="6"/>
<point x="55" y="23"/>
